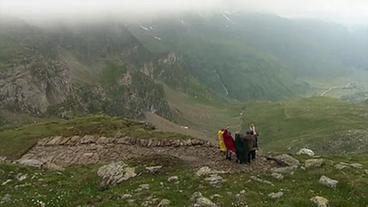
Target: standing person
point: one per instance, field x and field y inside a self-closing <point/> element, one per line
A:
<point x="220" y="139"/>
<point x="229" y="143"/>
<point x="240" y="148"/>
<point x="253" y="146"/>
<point x="248" y="146"/>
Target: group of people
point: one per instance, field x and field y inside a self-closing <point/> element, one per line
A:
<point x="243" y="146"/>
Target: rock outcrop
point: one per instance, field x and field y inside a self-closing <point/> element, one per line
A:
<point x="326" y="181"/>
<point x="114" y="173"/>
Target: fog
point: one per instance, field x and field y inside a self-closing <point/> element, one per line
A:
<point x="348" y="12"/>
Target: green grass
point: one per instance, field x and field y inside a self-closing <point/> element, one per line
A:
<point x="310" y="122"/>
<point x="80" y="186"/>
<point x="16" y="141"/>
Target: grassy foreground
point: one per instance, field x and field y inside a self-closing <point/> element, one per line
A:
<point x="79" y="186"/>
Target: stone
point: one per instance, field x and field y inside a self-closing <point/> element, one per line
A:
<point x="305" y="151"/>
<point x="164" y="203"/>
<point x="366" y="172"/>
<point x="6" y="182"/>
<point x="153" y="169"/>
<point x="286" y="160"/>
<point x="261" y="180"/>
<point x="200" y="201"/>
<point x="20" y="177"/>
<point x="31" y="162"/>
<point x="144" y="186"/>
<point x="276" y="195"/>
<point x="173" y="179"/>
<point x="214" y="180"/>
<point x="114" y="173"/>
<point x="356" y="165"/>
<point x="314" y="163"/>
<point x="319" y="201"/>
<point x="205" y="171"/>
<point x="277" y="176"/>
<point x="326" y="181"/>
<point x="126" y="196"/>
<point x="341" y="166"/>
<point x="284" y="170"/>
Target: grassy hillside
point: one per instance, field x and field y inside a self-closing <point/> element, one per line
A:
<point x="324" y="124"/>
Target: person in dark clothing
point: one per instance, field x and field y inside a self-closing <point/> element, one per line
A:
<point x="253" y="146"/>
<point x="240" y="148"/>
<point x="248" y="146"/>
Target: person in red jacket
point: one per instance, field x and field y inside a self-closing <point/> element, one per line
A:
<point x="229" y="143"/>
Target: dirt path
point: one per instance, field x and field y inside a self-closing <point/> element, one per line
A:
<point x="197" y="153"/>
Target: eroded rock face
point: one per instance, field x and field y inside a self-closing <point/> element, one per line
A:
<point x="35" y="85"/>
<point x="115" y="173"/>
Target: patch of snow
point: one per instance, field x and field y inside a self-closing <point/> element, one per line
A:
<point x="157" y="38"/>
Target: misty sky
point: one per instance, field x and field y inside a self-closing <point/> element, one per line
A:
<point x="349" y="12"/>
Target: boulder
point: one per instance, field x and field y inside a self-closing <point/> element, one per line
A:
<point x="164" y="203"/>
<point x="305" y="151"/>
<point x="114" y="173"/>
<point x="366" y="172"/>
<point x="326" y="181"/>
<point x="314" y="163"/>
<point x="319" y="201"/>
<point x="286" y="160"/>
<point x="276" y="195"/>
<point x="200" y="201"/>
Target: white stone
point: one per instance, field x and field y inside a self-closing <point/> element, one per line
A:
<point x="164" y="203"/>
<point x="319" y="201"/>
<point x="305" y="151"/>
<point x="173" y="179"/>
<point x="328" y="182"/>
<point x="276" y="195"/>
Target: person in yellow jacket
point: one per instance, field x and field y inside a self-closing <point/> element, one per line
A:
<point x="221" y="142"/>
